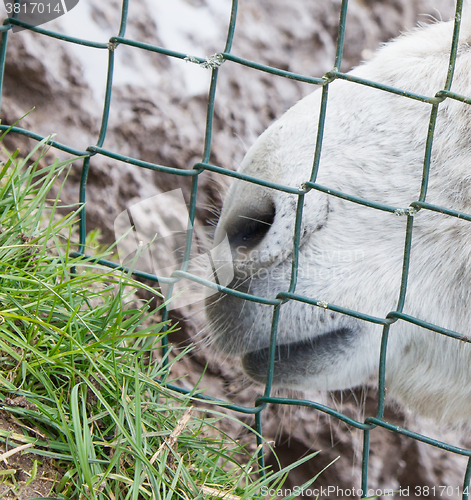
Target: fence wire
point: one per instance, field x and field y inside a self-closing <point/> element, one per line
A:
<point x="213" y="64"/>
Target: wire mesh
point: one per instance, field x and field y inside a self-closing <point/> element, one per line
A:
<point x="213" y="64"/>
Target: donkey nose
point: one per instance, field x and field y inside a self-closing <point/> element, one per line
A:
<point x="246" y="229"/>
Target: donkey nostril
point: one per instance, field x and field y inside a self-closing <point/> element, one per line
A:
<point x="249" y="227"/>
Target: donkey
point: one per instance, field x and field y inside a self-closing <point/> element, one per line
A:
<point x="351" y="255"/>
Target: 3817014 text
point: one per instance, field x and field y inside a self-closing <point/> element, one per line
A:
<point x="33" y="8"/>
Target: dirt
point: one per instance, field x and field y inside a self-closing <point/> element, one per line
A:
<point x="23" y="475"/>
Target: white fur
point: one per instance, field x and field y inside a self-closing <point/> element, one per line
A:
<point x="351" y="256"/>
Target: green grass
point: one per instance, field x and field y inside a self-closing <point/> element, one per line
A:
<point x="77" y="349"/>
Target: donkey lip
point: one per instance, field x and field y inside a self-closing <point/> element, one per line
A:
<point x="297" y="360"/>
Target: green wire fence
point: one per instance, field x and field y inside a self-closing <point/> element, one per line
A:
<point x="214" y="65"/>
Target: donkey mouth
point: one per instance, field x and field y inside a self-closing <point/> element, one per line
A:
<point x="297" y="361"/>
